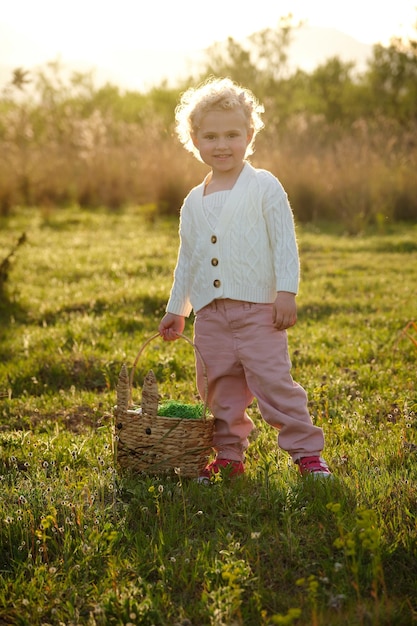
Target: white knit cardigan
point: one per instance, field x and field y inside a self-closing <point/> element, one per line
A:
<point x="250" y="255"/>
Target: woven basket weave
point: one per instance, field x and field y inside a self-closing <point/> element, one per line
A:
<point x="152" y="444"/>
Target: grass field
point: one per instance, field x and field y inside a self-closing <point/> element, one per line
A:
<point x="82" y="542"/>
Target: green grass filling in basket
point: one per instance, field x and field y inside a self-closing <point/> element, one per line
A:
<point x="173" y="408"/>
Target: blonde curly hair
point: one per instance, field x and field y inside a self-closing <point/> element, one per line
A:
<point x="215" y="94"/>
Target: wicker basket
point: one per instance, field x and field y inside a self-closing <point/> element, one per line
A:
<point x="152" y="444"/>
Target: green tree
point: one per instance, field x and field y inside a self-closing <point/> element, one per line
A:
<point x="331" y="90"/>
<point x="260" y="63"/>
<point x="392" y="80"/>
<point x="232" y="59"/>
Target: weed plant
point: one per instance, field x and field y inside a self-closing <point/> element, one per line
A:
<point x="83" y="543"/>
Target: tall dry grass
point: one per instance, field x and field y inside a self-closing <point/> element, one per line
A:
<point x="357" y="176"/>
<point x="361" y="175"/>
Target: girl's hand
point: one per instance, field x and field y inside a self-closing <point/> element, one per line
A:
<point x="284" y="311"/>
<point x="171" y="326"/>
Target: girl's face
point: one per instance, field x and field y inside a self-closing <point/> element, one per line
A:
<point x="222" y="139"/>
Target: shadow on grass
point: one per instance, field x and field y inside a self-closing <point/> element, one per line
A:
<point x="394" y="247"/>
<point x="320" y="311"/>
<point x="144" y="305"/>
<point x="53" y="373"/>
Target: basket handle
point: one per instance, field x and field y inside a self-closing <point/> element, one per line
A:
<point x="198" y="353"/>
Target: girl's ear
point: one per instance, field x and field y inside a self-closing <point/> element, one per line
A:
<point x="250" y="135"/>
<point x="194" y="140"/>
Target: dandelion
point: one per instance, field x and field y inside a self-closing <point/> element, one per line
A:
<point x="161" y="488"/>
<point x="45" y="464"/>
<point x="22" y="499"/>
<point x="173" y="559"/>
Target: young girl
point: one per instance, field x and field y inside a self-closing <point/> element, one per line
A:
<point x="238" y="269"/>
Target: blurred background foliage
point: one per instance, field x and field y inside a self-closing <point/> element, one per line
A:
<point x="342" y="141"/>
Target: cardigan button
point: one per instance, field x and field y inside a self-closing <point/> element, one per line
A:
<point x="216" y="283"/>
<point x="213" y="239"/>
<point x="214" y="262"/>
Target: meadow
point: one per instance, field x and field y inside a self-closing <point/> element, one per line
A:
<point x="84" y="543"/>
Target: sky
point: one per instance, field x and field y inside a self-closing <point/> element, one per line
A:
<point x="105" y="32"/>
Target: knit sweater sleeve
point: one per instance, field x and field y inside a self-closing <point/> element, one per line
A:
<point x="179" y="299"/>
<point x="281" y="230"/>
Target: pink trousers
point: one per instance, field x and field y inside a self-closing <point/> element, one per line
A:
<point x="246" y="357"/>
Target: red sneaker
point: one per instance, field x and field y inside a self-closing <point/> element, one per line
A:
<point x="231" y="468"/>
<point x="313" y="465"/>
